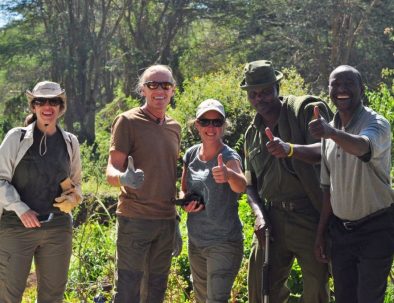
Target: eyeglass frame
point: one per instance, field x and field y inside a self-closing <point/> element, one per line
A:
<point x="166" y="85"/>
<point x="41" y="101"/>
<point x="214" y="122"/>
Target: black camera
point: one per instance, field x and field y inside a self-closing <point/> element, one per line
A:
<point x="189" y="197"/>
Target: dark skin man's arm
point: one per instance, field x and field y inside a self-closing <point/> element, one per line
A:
<point x="320" y="242"/>
<point x="261" y="221"/>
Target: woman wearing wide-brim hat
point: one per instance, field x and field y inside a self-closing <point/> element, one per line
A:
<point x="40" y="183"/>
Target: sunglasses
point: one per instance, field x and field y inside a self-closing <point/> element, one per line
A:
<point x="214" y="122"/>
<point x="155" y="85"/>
<point x="50" y="101"/>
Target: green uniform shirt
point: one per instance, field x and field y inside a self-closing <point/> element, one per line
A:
<point x="284" y="179"/>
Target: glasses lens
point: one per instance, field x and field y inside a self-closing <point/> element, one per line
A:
<point x="55" y="101"/>
<point x="217" y="122"/>
<point x="214" y="122"/>
<point x="204" y="122"/>
<point x="152" y="84"/>
<point x="155" y="85"/>
<point x="166" y="85"/>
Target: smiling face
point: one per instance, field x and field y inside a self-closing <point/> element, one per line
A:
<point x="157" y="99"/>
<point x="345" y="89"/>
<point x="47" y="115"/>
<point x="210" y="133"/>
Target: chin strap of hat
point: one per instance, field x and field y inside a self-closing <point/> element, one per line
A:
<point x="43" y="142"/>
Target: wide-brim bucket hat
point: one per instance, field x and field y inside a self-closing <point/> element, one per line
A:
<point x="47" y="89"/>
<point x="259" y="74"/>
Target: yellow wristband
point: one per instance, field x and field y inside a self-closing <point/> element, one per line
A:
<point x="120" y="184"/>
<point x="291" y="152"/>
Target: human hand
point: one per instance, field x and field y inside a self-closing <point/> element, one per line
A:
<point x="178" y="242"/>
<point x="220" y="173"/>
<point x="276" y="146"/>
<point x="259" y="229"/>
<point x="193" y="206"/>
<point x="29" y="219"/>
<point x="132" y="177"/>
<point x="68" y="200"/>
<point x="320" y="249"/>
<point x="319" y="127"/>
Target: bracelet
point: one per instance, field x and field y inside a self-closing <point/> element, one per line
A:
<point x="291" y="152"/>
<point x="120" y="184"/>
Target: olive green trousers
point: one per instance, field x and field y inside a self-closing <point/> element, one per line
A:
<point x="50" y="247"/>
<point x="293" y="237"/>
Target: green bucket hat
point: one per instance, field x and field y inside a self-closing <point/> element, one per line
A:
<point x="259" y="74"/>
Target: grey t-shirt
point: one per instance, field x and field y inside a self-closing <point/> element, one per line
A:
<point x="219" y="221"/>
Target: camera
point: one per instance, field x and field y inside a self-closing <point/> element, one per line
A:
<point x="189" y="197"/>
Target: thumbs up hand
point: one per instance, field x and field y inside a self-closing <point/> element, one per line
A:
<point x="319" y="127"/>
<point x="276" y="146"/>
<point x="269" y="134"/>
<point x="316" y="112"/>
<point x="132" y="177"/>
<point x="220" y="173"/>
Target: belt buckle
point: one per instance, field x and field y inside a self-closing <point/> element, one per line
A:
<point x="348" y="225"/>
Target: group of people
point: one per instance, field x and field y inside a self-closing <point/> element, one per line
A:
<point x="318" y="182"/>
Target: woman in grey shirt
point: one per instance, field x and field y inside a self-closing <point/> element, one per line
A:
<point x="212" y="171"/>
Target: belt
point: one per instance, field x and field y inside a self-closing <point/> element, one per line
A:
<point x="291" y="205"/>
<point x="351" y="225"/>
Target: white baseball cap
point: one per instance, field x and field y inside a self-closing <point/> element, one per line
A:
<point x="208" y="105"/>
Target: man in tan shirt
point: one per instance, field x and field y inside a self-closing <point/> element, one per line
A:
<point x="146" y="139"/>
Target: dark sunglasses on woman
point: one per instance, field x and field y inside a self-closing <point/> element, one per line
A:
<point x="50" y="101"/>
<point x="155" y="85"/>
<point x="214" y="122"/>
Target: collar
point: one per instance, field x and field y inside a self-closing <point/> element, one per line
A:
<point x="355" y="117"/>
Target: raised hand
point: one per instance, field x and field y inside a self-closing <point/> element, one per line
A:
<point x="318" y="127"/>
<point x="220" y="173"/>
<point x="276" y="146"/>
<point x="132" y="177"/>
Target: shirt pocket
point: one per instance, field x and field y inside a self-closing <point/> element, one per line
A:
<point x="257" y="161"/>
